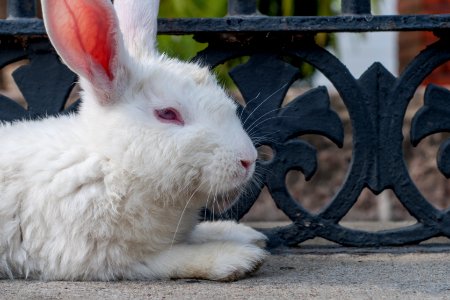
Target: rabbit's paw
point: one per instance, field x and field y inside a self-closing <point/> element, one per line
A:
<point x="227" y="231"/>
<point x="237" y="262"/>
<point x="246" y="234"/>
<point x="216" y="260"/>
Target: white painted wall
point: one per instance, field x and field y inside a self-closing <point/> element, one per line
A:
<point x="358" y="51"/>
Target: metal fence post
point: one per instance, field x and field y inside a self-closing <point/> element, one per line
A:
<point x="21" y="9"/>
<point x="242" y="7"/>
<point x="357" y="7"/>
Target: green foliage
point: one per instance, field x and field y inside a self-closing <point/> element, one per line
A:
<point x="185" y="47"/>
<point x="192" y="8"/>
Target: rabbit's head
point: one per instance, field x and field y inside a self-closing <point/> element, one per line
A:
<point x="166" y="121"/>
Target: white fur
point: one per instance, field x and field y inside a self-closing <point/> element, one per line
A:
<point x="112" y="192"/>
<point x="227" y="230"/>
<point x="138" y="21"/>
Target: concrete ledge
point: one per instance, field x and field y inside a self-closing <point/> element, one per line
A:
<point x="314" y="271"/>
<point x="287" y="276"/>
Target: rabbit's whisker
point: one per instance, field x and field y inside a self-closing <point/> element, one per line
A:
<point x="182" y="214"/>
<point x="251" y="126"/>
<point x="250" y="101"/>
<point x="262" y="102"/>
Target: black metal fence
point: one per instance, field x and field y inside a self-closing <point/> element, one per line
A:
<point x="376" y="103"/>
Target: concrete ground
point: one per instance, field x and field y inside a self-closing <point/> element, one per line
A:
<point x="308" y="272"/>
<point x="325" y="275"/>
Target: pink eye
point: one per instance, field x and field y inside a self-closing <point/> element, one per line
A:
<point x="169" y="115"/>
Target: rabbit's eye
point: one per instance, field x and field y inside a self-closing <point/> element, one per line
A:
<point x="169" y="115"/>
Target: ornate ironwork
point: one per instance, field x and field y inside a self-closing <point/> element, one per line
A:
<point x="376" y="103"/>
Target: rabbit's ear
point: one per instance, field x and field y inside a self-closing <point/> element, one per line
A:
<point x="86" y="35"/>
<point x="138" y="23"/>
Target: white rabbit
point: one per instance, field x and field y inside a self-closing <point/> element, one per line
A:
<point x="114" y="191"/>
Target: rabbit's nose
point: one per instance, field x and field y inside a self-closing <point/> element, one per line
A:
<point x="247" y="163"/>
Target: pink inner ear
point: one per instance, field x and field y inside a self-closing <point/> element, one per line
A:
<point x="83" y="32"/>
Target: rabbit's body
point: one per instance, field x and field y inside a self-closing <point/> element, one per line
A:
<point x="79" y="211"/>
<point x="80" y="216"/>
<point x="114" y="191"/>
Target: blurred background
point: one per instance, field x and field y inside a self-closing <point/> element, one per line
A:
<point x="357" y="51"/>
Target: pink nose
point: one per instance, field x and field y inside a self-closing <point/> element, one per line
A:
<point x="246" y="164"/>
